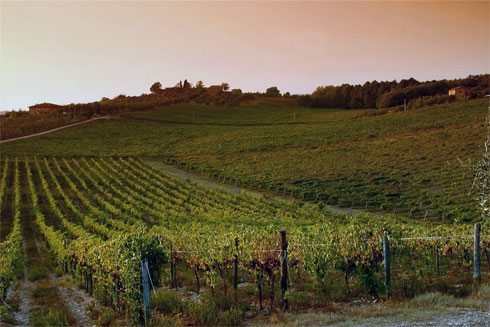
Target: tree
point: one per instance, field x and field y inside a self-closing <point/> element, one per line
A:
<point x="273" y="92"/>
<point x="156" y="87"/>
<point x="482" y="176"/>
<point x="199" y="85"/>
<point x="305" y="100"/>
<point x="225" y="86"/>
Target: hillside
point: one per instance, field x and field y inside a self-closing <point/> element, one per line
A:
<point x="407" y="160"/>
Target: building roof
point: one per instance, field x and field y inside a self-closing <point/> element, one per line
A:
<point x="45" y="105"/>
<point x="458" y="87"/>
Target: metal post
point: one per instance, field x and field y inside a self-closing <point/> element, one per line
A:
<point x="386" y="254"/>
<point x="476" y="254"/>
<point x="146" y="292"/>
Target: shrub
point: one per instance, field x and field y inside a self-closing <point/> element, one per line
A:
<point x="167" y="302"/>
<point x="51" y="317"/>
<point x="231" y="317"/>
<point x="202" y="314"/>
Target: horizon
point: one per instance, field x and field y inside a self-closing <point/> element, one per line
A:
<point x="90" y="51"/>
<point x="231" y="87"/>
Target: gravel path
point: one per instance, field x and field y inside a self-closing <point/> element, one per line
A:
<point x="76" y="304"/>
<point x="449" y="317"/>
<point x="23" y="316"/>
<point x="184" y="175"/>
<point x="76" y="300"/>
<point x="53" y="130"/>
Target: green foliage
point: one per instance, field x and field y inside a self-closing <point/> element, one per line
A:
<point x="11" y="259"/>
<point x="201" y="225"/>
<point x="273" y="92"/>
<point x="156" y="87"/>
<point x="167" y="302"/>
<point x="22" y="123"/>
<point x="390" y="94"/>
<point x="51" y="317"/>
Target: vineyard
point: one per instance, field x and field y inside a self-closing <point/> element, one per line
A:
<point x="411" y="163"/>
<point x="102" y="218"/>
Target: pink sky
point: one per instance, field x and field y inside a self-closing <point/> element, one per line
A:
<point x="65" y="52"/>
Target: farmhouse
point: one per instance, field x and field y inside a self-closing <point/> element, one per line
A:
<point x="44" y="108"/>
<point x="214" y="89"/>
<point x="460" y="92"/>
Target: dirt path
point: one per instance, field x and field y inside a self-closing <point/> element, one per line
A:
<point x="23" y="316"/>
<point x="184" y="175"/>
<point x="53" y="130"/>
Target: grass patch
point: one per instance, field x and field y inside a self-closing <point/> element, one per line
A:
<point x="52" y="317"/>
<point x="37" y="272"/>
<point x="103" y="315"/>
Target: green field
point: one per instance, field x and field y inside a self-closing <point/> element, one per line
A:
<point x="346" y="157"/>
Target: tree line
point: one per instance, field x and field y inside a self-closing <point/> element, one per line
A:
<point x="390" y="94"/>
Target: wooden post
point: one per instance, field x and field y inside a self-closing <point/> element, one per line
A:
<point x="284" y="193"/>
<point x="425" y="217"/>
<point x="437" y="259"/>
<point x="386" y="254"/>
<point x="476" y="254"/>
<point x="90" y="281"/>
<point x="284" y="269"/>
<point x="235" y="271"/>
<point x="65" y="264"/>
<point x="365" y="208"/>
<point x="394" y="211"/>
<point x="146" y="291"/>
<point x="172" y="269"/>
<point x="352" y="205"/>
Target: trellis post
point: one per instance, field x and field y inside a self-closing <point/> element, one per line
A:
<point x="476" y="254"/>
<point x="172" y="269"/>
<point x="284" y="269"/>
<point x="65" y="264"/>
<point x="146" y="291"/>
<point x="386" y="255"/>
<point x="235" y="271"/>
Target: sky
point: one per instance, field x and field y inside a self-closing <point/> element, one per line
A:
<point x="68" y="52"/>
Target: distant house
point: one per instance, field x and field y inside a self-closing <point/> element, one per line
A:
<point x="44" y="108"/>
<point x="214" y="89"/>
<point x="460" y="92"/>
